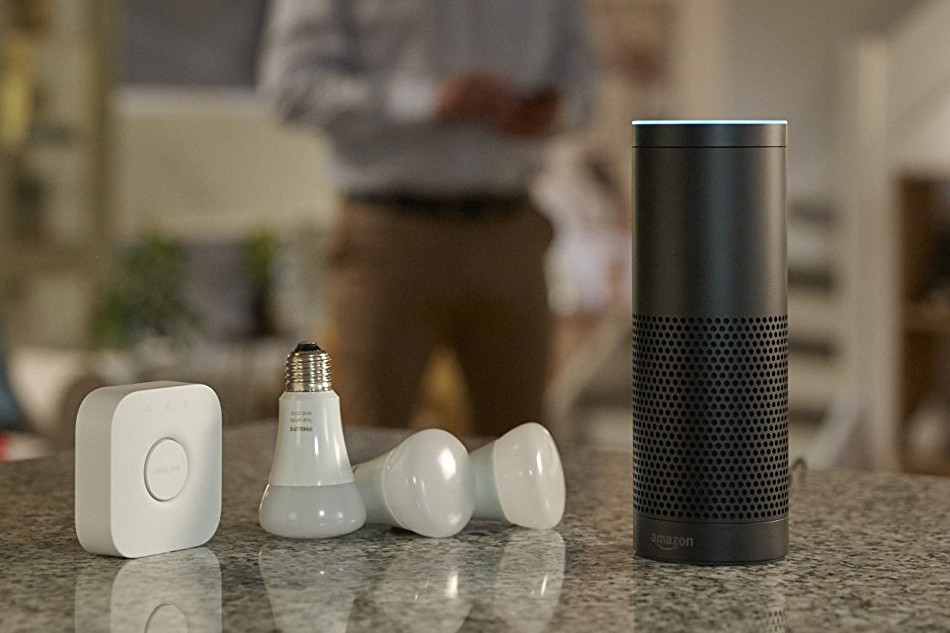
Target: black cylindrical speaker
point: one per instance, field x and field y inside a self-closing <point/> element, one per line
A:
<point x="710" y="341"/>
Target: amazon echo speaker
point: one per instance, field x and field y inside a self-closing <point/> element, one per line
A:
<point x="710" y="341"/>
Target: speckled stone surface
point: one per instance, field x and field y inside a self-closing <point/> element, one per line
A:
<point x="868" y="552"/>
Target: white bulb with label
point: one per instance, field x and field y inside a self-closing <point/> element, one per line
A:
<point x="310" y="492"/>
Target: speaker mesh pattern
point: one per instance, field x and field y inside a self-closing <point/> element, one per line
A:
<point x="710" y="418"/>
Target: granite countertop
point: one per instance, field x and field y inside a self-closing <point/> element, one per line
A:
<point x="868" y="552"/>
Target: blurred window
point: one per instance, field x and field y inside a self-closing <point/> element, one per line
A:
<point x="190" y="42"/>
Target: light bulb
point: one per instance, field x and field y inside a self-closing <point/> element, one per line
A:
<point x="424" y="485"/>
<point x="519" y="479"/>
<point x="310" y="492"/>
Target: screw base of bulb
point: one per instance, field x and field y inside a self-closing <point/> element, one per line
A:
<point x="311" y="511"/>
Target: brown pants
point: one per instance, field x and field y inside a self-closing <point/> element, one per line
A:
<point x="401" y="283"/>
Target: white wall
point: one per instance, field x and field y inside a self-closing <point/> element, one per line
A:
<point x="215" y="165"/>
<point x="918" y="94"/>
<point x="700" y="55"/>
<point x="925" y="148"/>
<point x="781" y="63"/>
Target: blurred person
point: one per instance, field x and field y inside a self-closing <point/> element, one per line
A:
<point x="436" y="112"/>
<point x="591" y="255"/>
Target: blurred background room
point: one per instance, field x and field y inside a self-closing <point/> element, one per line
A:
<point x="158" y="222"/>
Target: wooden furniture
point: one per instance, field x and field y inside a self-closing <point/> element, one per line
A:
<point x="924" y="226"/>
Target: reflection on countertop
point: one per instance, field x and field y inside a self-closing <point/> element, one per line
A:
<point x="178" y="591"/>
<point x="740" y="598"/>
<point x="411" y="584"/>
<point x="868" y="552"/>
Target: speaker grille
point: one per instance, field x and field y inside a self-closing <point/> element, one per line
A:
<point x="710" y="418"/>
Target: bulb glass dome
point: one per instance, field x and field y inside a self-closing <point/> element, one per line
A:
<point x="424" y="485"/>
<point x="520" y="478"/>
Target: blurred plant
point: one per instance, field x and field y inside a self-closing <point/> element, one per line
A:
<point x="260" y="253"/>
<point x="145" y="297"/>
<point x="259" y="259"/>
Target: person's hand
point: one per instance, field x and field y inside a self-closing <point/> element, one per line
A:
<point x="478" y="96"/>
<point x="473" y="96"/>
<point x="529" y="116"/>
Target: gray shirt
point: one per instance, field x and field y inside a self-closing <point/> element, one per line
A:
<point x="367" y="72"/>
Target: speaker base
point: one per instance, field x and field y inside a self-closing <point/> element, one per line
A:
<point x="710" y="543"/>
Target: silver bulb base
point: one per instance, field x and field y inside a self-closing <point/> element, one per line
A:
<point x="308" y="369"/>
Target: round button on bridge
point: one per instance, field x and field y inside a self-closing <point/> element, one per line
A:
<point x="166" y="469"/>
